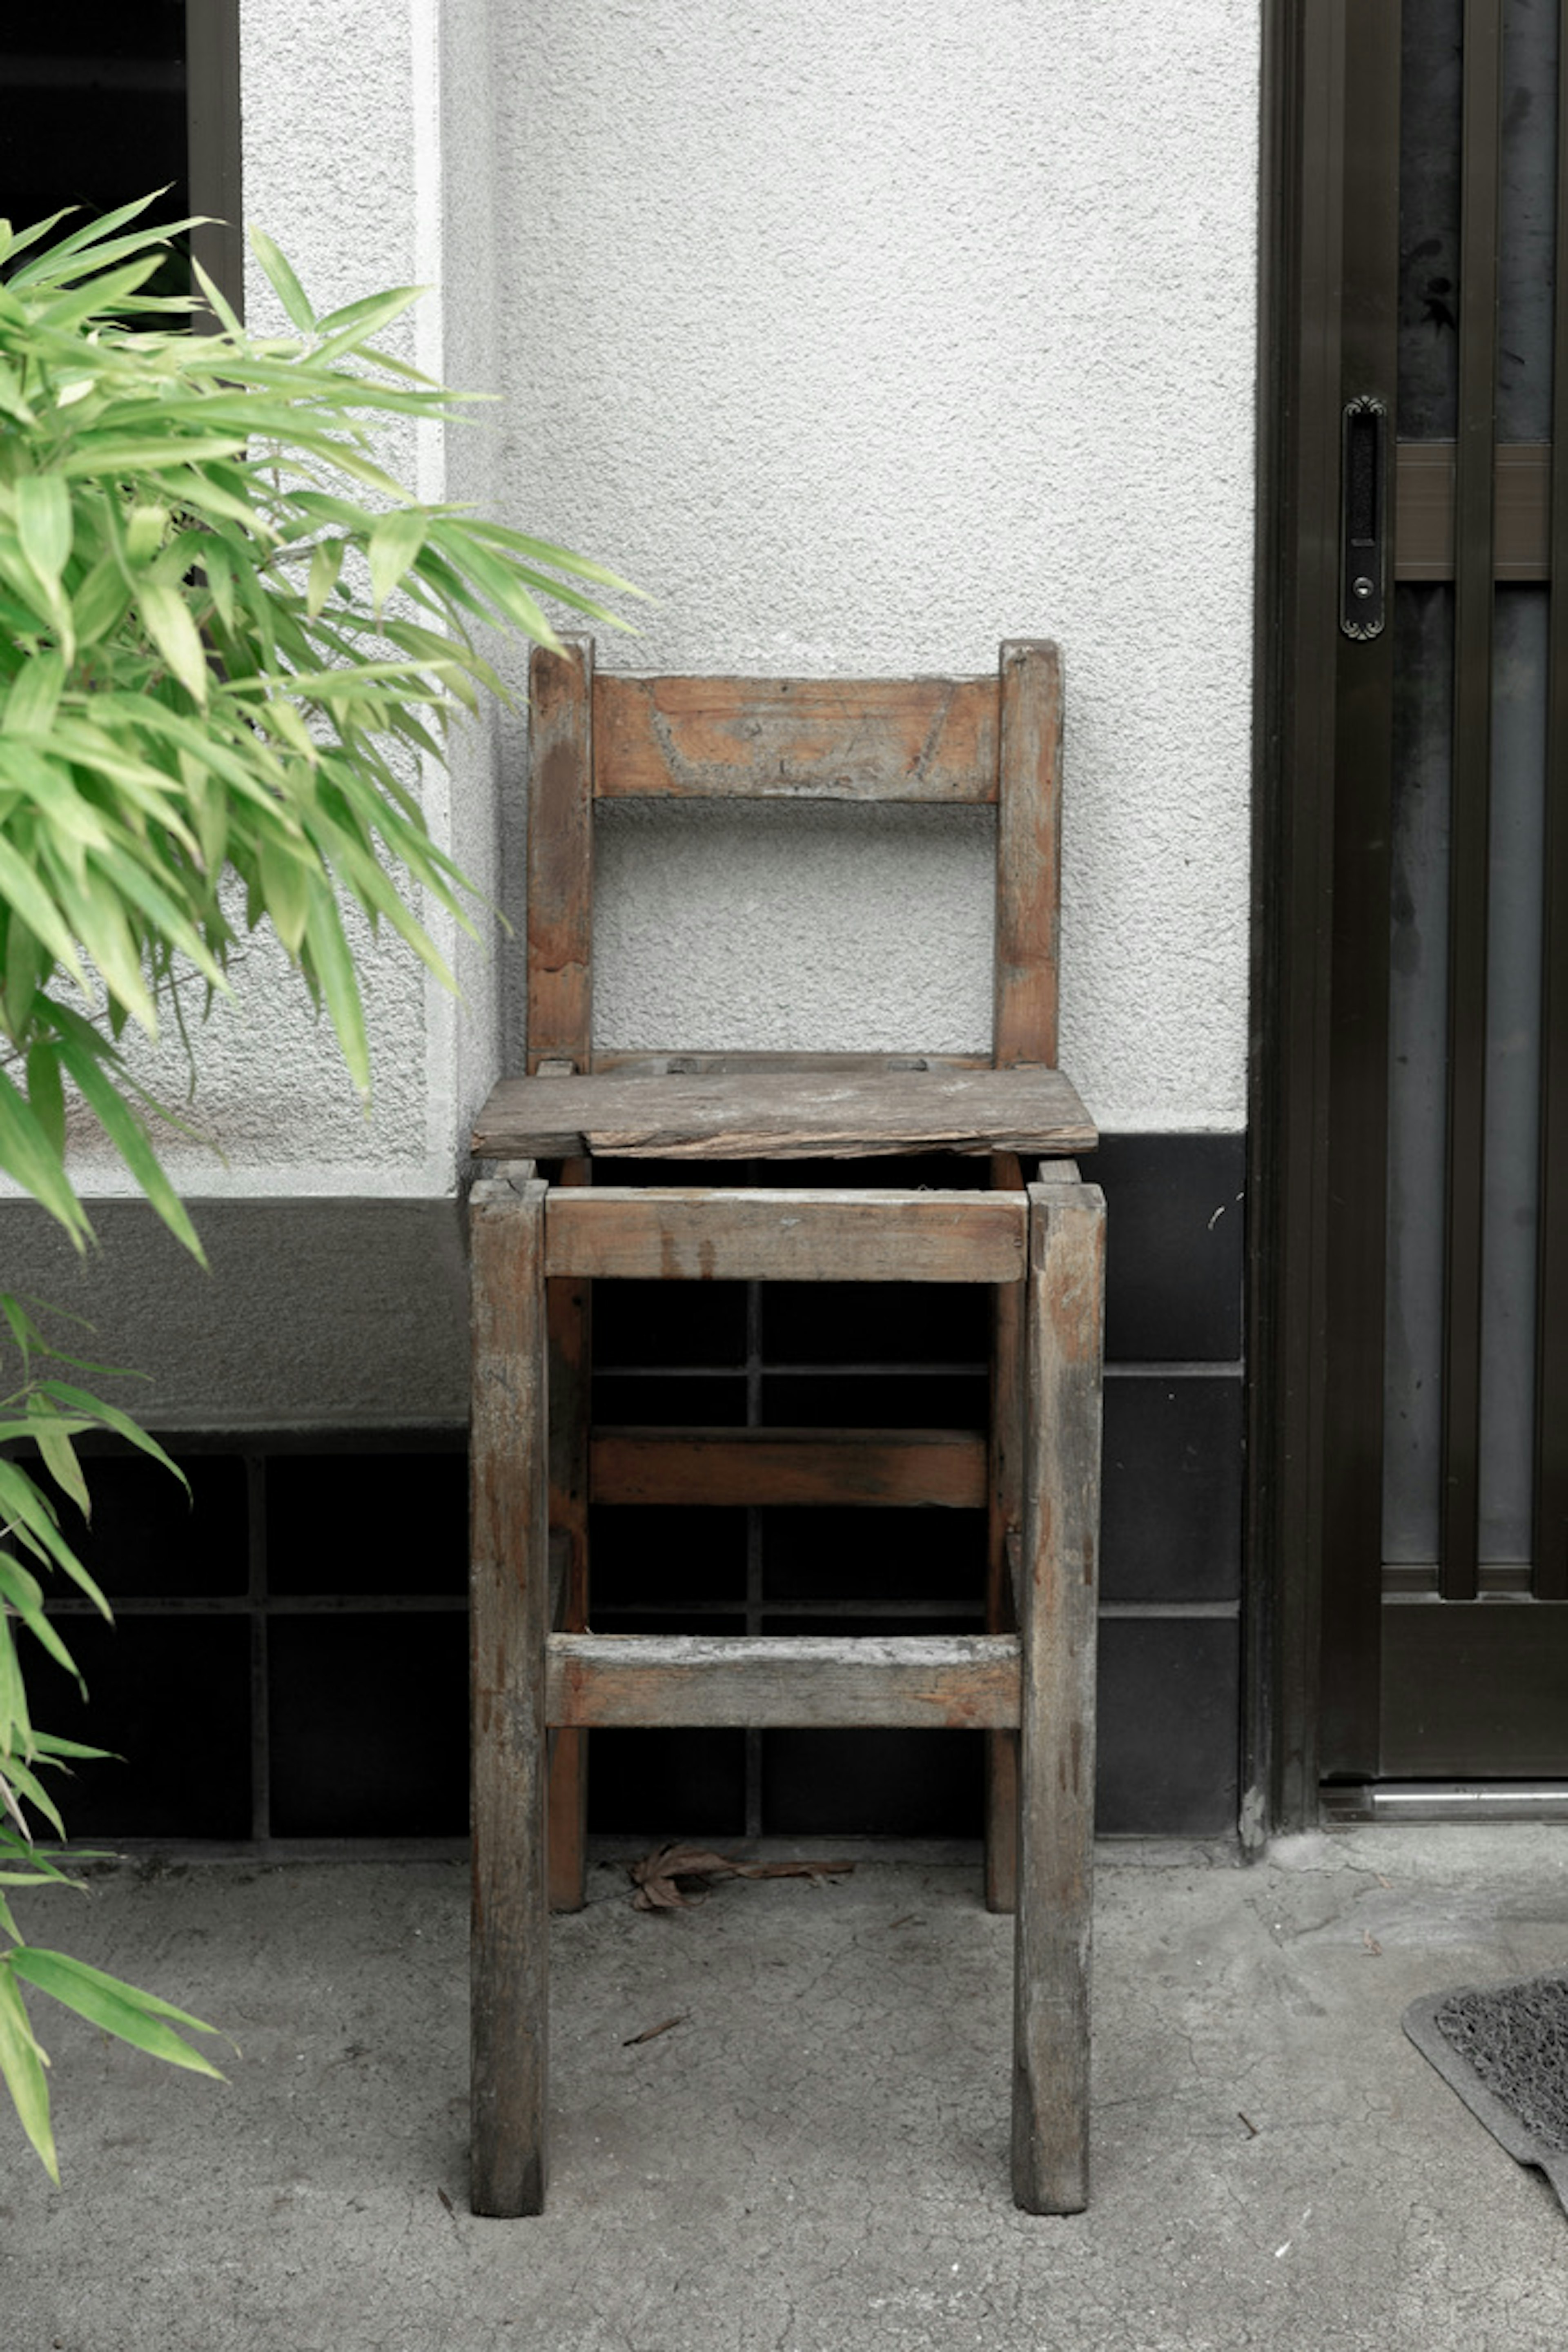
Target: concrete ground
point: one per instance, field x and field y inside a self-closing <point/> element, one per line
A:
<point x="813" y="2159"/>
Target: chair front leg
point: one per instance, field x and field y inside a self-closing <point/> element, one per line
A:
<point x="509" y="1569"/>
<point x="1063" y="1314"/>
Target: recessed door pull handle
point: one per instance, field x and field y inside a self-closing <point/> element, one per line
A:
<point x="1363" y="518"/>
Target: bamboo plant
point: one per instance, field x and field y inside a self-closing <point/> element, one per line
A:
<point x="227" y="638"/>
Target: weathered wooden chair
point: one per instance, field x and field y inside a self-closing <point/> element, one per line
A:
<point x="538" y="1243"/>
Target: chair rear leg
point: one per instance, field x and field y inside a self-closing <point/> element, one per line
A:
<point x="510" y="1586"/>
<point x="1003" y="1535"/>
<point x="1063" y="1314"/>
<point x="570" y="1311"/>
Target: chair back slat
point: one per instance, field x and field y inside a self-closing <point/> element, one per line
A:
<point x="949" y="741"/>
<point x="923" y="738"/>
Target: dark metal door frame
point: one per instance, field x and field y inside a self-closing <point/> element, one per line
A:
<point x="1321" y="866"/>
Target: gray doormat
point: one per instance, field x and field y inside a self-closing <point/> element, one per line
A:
<point x="1505" y="2049"/>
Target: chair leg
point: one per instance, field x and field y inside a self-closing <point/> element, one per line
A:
<point x="1064" y="1314"/>
<point x="570" y="1309"/>
<point x="511" y="1587"/>
<point x="1006" y="1513"/>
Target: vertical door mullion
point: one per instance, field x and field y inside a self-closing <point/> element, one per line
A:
<point x="1364" y="737"/>
<point x="1469" y="854"/>
<point x="1550" y="1547"/>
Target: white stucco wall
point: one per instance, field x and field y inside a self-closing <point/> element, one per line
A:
<point x="862" y="338"/>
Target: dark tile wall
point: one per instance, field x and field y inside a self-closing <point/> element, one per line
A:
<point x="289" y="1660"/>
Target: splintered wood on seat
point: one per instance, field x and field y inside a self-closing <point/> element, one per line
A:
<point x="783" y="1115"/>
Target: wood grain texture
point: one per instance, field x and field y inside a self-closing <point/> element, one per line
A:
<point x="509" y="1595"/>
<point x="1005" y="1506"/>
<point x="570" y="1311"/>
<point x="1028" y="855"/>
<point x="1064" y="1315"/>
<point x="783" y="1115"/>
<point x="671" y="1062"/>
<point x="561" y="853"/>
<point x="924" y="739"/>
<point x="953" y="1682"/>
<point x="729" y="1468"/>
<point x="627" y="1233"/>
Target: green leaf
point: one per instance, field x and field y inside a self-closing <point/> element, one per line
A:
<point x="42" y="270"/>
<point x="334" y="969"/>
<point x="19" y="884"/>
<point x="100" y="602"/>
<point x="99" y="1409"/>
<point x="22" y="2063"/>
<point x="343" y="330"/>
<point x="393" y="544"/>
<point x="326" y="562"/>
<point x="169" y="625"/>
<point x="43" y="522"/>
<point x="34" y="693"/>
<point x="24" y="1593"/>
<point x="219" y="301"/>
<point x="26" y="1153"/>
<point x="100" y="924"/>
<point x="58" y="1453"/>
<point x="287" y="869"/>
<point x="282" y="280"/>
<point x="25" y="1783"/>
<point x="125" y="1131"/>
<point x="118" y="2008"/>
<point x="45" y="1096"/>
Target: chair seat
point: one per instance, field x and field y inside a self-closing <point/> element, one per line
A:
<point x="783" y="1115"/>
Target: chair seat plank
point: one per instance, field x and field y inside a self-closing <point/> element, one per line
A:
<point x="783" y="1115"/>
<point x="941" y="1468"/>
<point x="629" y="1234"/>
<point x="782" y="1682"/>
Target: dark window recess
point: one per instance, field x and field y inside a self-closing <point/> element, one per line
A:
<point x="104" y="103"/>
<point x="95" y="112"/>
<point x="170" y="1696"/>
<point x="289" y="1659"/>
<point x="646" y="1556"/>
<point x="368" y="1725"/>
<point x="364" y="1524"/>
<point x="151" y="1537"/>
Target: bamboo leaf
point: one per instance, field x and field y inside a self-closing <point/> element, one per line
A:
<point x="22" y="2063"/>
<point x="393" y="544"/>
<point x="334" y="969"/>
<point x="282" y="280"/>
<point x="343" y="330"/>
<point x="326" y="562"/>
<point x="99" y="1409"/>
<point x="19" y="884"/>
<point x="58" y="1453"/>
<point x="27" y="1154"/>
<point x="118" y="2008"/>
<point x="45" y="1096"/>
<point x="168" y="622"/>
<point x="34" y="693"/>
<point x="25" y="1594"/>
<point x="23" y="1783"/>
<point x="125" y="1131"/>
<point x="43" y="522"/>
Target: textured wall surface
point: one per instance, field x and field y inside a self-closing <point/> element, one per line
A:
<point x="865" y="338"/>
<point x="862" y="338"/>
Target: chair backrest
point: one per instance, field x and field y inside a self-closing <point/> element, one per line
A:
<point x="958" y="741"/>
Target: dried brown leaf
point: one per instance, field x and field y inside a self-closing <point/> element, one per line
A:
<point x="656" y="1876"/>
